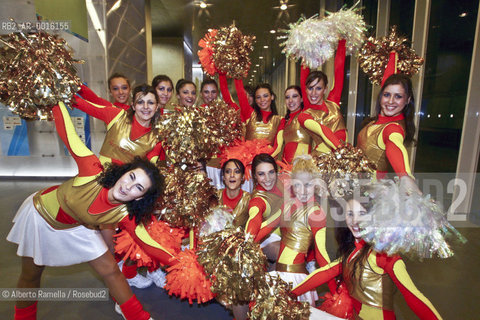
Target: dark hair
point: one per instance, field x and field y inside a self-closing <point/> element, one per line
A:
<point x="238" y="165"/>
<point x="249" y="90"/>
<point x="316" y="75"/>
<point x="273" y="106"/>
<point x="140" y="209"/>
<point x="144" y="89"/>
<point x="409" y="109"/>
<point x="262" y="158"/>
<point x="299" y="90"/>
<point x="346" y="241"/>
<point x="117" y="75"/>
<point x="208" y="81"/>
<point x="161" y="78"/>
<point x="181" y="83"/>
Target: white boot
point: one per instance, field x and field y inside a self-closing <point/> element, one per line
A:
<point x="140" y="281"/>
<point x="158" y="277"/>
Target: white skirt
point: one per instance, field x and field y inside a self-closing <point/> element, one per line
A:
<point x="296" y="278"/>
<point x="317" y="314"/>
<point x="273" y="237"/>
<point x="51" y="247"/>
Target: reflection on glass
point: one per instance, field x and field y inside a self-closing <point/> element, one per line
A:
<point x="401" y="15"/>
<point x="447" y="67"/>
<point x="364" y="91"/>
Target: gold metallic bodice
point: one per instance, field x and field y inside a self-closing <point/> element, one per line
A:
<point x="117" y="144"/>
<point x="240" y="212"/>
<point x="369" y="287"/>
<point x="259" y="130"/>
<point x="367" y="140"/>
<point x="333" y="120"/>
<point x="294" y="132"/>
<point x="296" y="232"/>
<point x="75" y="201"/>
<point x="273" y="202"/>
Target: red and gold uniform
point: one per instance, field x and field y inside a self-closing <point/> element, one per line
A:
<point x="254" y="129"/>
<point x="238" y="206"/>
<point x="303" y="225"/>
<point x="264" y="212"/>
<point x="326" y="117"/>
<point x="82" y="201"/>
<point x="125" y="138"/>
<point x="121" y="105"/>
<point x="297" y="139"/>
<point x="373" y="290"/>
<point x="382" y="143"/>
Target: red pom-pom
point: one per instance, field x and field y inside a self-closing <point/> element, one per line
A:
<point x="340" y="304"/>
<point x="187" y="279"/>
<point x="206" y="54"/>
<point x="245" y="151"/>
<point x="160" y="231"/>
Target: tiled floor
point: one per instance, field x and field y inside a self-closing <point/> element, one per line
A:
<point x="451" y="285"/>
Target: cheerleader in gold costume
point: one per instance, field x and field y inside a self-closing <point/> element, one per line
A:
<point x="164" y="87"/>
<point x="322" y="116"/>
<point x="261" y="118"/>
<point x="120" y="88"/>
<point x="303" y="226"/>
<point x="209" y="90"/>
<point x="233" y="197"/>
<point x="57" y="225"/>
<point x="383" y="138"/>
<point x="186" y="92"/>
<point x="129" y="133"/>
<point x="370" y="276"/>
<point x="265" y="206"/>
<point x="292" y="132"/>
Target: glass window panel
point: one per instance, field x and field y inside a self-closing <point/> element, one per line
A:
<point x="447" y="66"/>
<point x="401" y="15"/>
<point x="364" y="92"/>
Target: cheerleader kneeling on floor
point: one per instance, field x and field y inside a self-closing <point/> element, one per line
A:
<point x="58" y="226"/>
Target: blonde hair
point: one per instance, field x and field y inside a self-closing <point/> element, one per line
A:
<point x="305" y="163"/>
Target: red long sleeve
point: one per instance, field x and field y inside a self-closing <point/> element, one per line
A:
<point x="256" y="208"/>
<point x="227" y="97"/>
<point x="245" y="109"/>
<point x="395" y="267"/>
<point x="319" y="129"/>
<point x="318" y="277"/>
<point x="104" y="113"/>
<point x="278" y="142"/>
<point x="157" y="153"/>
<point x="139" y="234"/>
<point x="88" y="163"/>
<point x="396" y="153"/>
<point x="304" y="72"/>
<point x="336" y="93"/>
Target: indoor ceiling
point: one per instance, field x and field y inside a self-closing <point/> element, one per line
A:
<point x="186" y="19"/>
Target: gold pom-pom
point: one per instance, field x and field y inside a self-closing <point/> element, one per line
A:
<point x="273" y="302"/>
<point x="36" y="73"/>
<point x="190" y="134"/>
<point x="232" y="51"/>
<point x="342" y="168"/>
<point x="235" y="263"/>
<point x="373" y="57"/>
<point x="187" y="197"/>
<point x="223" y="122"/>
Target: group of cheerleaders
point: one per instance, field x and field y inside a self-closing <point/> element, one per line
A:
<point x="69" y="223"/>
